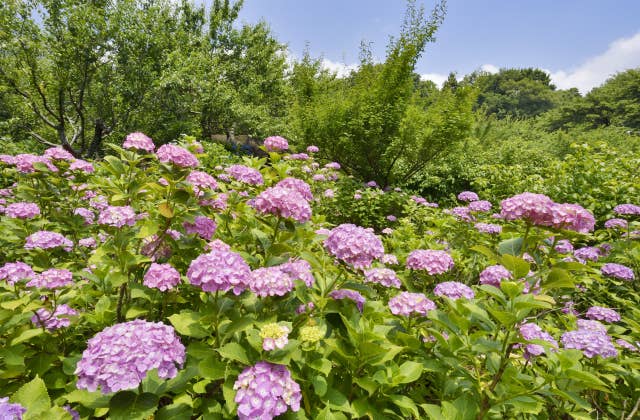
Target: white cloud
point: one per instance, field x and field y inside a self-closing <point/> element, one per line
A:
<point x="436" y="78"/>
<point x="489" y="68"/>
<point x="622" y="54"/>
<point x="340" y="69"/>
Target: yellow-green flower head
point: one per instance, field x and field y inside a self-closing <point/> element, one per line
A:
<point x="274" y="336"/>
<point x="311" y="333"/>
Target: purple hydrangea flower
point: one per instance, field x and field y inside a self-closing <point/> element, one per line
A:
<point x="169" y="153"/>
<point x="245" y="174"/>
<point x="22" y="210"/>
<point x="461" y="213"/>
<point x="11" y="411"/>
<point x="276" y="144"/>
<point x="489" y="228"/>
<point x="201" y="181"/>
<point x="354" y="245"/>
<point x="24" y="163"/>
<point x="86" y="214"/>
<point x="616" y="224"/>
<point x="161" y="276"/>
<point x="372" y="184"/>
<point x="572" y="217"/>
<point x="332" y="165"/>
<point x="297" y="156"/>
<point x="467" y="196"/>
<point x="407" y="303"/>
<point x="349" y="294"/>
<point x="120" y="356"/>
<point x="563" y="246"/>
<point x="592" y="343"/>
<point x="387" y="231"/>
<point x="313" y="149"/>
<point x="81" y="165"/>
<point x="274" y="336"/>
<point x="357" y="196"/>
<point x="587" y="253"/>
<point x="299" y="270"/>
<point x="480" y="206"/>
<point x="44" y="239"/>
<point x="536" y="208"/>
<point x="117" y="216"/>
<point x="328" y="193"/>
<point x="220" y="269"/>
<point x="265" y="390"/>
<point x="453" y="290"/>
<point x="389" y="259"/>
<point x="87" y="242"/>
<point x="138" y="141"/>
<point x="58" y="153"/>
<point x="15" y="271"/>
<point x="494" y="274"/>
<point x="384" y="276"/>
<point x="591" y="325"/>
<point x="202" y="226"/>
<point x="433" y="261"/>
<point x="297" y="185"/>
<point x="419" y="200"/>
<point x="627" y="345"/>
<point x="270" y="281"/>
<point x="52" y="278"/>
<point x="627" y="209"/>
<point x="531" y="331"/>
<point x="283" y="202"/>
<point x="59" y="319"/>
<point x="391" y="218"/>
<point x="602" y="314"/>
<point x="617" y="271"/>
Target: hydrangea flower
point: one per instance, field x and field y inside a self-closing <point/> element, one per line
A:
<point x="407" y="303"/>
<point x="592" y="343"/>
<point x="202" y="226"/>
<point x="297" y="156"/>
<point x="86" y="214"/>
<point x="328" y="193"/>
<point x="587" y="253"/>
<point x="58" y="153"/>
<point x="161" y="276"/>
<point x="372" y="184"/>
<point x="627" y="345"/>
<point x="87" y="242"/>
<point x="201" y="181"/>
<point x="139" y="141"/>
<point x="45" y="239"/>
<point x="313" y="149"/>
<point x="24" y="163"/>
<point x="270" y="281"/>
<point x="535" y="208"/>
<point x="10" y="411"/>
<point x="297" y="185"/>
<point x="572" y="217"/>
<point x="563" y="246"/>
<point x="391" y="218"/>
<point x="245" y="174"/>
<point x="627" y="209"/>
<point x="387" y="231"/>
<point x="117" y="216"/>
<point x="332" y="165"/>
<point x="389" y="259"/>
<point x="169" y="153"/>
<point x="453" y="290"/>
<point x="120" y="356"/>
<point x="531" y="331"/>
<point x="81" y="165"/>
<point x="480" y="206"/>
<point x="220" y="269"/>
<point x="22" y="210"/>
<point x="489" y="228"/>
<point x="354" y="245"/>
<point x="383" y="276"/>
<point x="59" y="319"/>
<point x="433" y="261"/>
<point x="13" y="272"/>
<point x="467" y="196"/>
<point x="311" y="334"/>
<point x="276" y="144"/>
<point x="462" y="213"/>
<point x="591" y="325"/>
<point x="602" y="314"/>
<point x="353" y="295"/>
<point x="283" y="202"/>
<point x="274" y="336"/>
<point x="265" y="390"/>
<point x="52" y="278"/>
<point x="299" y="270"/>
<point x="617" y="271"/>
<point x="616" y="224"/>
<point x="494" y="274"/>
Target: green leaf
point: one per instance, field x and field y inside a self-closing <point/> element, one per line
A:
<point x="33" y="396"/>
<point x="212" y="368"/>
<point x="510" y="246"/>
<point x="165" y="210"/>
<point x="88" y="399"/>
<point x="174" y="411"/>
<point x="234" y="351"/>
<point x="321" y="365"/>
<point x="27" y="335"/>
<point x="559" y="278"/>
<point x="367" y="384"/>
<point x="128" y="405"/>
<point x="319" y="385"/>
<point x="485" y="251"/>
<point x="519" y="267"/>
<point x="13" y="304"/>
<point x="409" y="372"/>
<point x="187" y="323"/>
<point x="406" y="404"/>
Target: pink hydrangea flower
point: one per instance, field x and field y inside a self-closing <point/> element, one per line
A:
<point x="536" y="208"/>
<point x="298" y="185"/>
<point x="161" y="276"/>
<point x="572" y="217"/>
<point x="169" y="153"/>
<point x="58" y="153"/>
<point x="433" y="261"/>
<point x="276" y="144"/>
<point x="201" y="181"/>
<point x="22" y="210"/>
<point x="245" y="174"/>
<point x="353" y="295"/>
<point x="453" y="290"/>
<point x="13" y="272"/>
<point x="407" y="303"/>
<point x="139" y="141"/>
<point x="494" y="274"/>
<point x="467" y="196"/>
<point x="313" y="149"/>
<point x="59" y="318"/>
<point x="383" y="276"/>
<point x="52" y="278"/>
<point x="117" y="216"/>
<point x="81" y="165"/>
<point x="47" y="240"/>
<point x="354" y="245"/>
<point x="220" y="269"/>
<point x="283" y="202"/>
<point x="270" y="281"/>
<point x="202" y="226"/>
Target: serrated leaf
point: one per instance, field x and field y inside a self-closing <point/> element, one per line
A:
<point x="88" y="399"/>
<point x="27" y="335"/>
<point x="510" y="246"/>
<point x="33" y="396"/>
<point x="165" y="210"/>
<point x="187" y="323"/>
<point x="234" y="351"/>
<point x="128" y="405"/>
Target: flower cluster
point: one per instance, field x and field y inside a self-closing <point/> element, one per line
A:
<point x="245" y="174"/>
<point x="58" y="153"/>
<point x="494" y="274"/>
<point x="11" y="411"/>
<point x="311" y="334"/>
<point x="535" y="208"/>
<point x="351" y="295"/>
<point x="297" y="156"/>
<point x="283" y="202"/>
<point x="139" y="141"/>
<point x="52" y="278"/>
<point x="627" y="209"/>
<point x="616" y="224"/>
<point x="24" y="163"/>
<point x="276" y="143"/>
<point x="467" y="196"/>
<point x="563" y="246"/>
<point x="161" y="276"/>
<point x="480" y="206"/>
<point x="45" y="239"/>
<point x="22" y="210"/>
<point x="59" y="319"/>
<point x="120" y="356"/>
<point x="297" y="185"/>
<point x="602" y="314"/>
<point x="433" y="261"/>
<point x="406" y="303"/>
<point x="313" y="149"/>
<point x="531" y="331"/>
<point x="202" y="226"/>
<point x="221" y="269"/>
<point x="591" y="342"/>
<point x="299" y="270"/>
<point x="15" y="271"/>
<point x="274" y="336"/>
<point x="169" y="153"/>
<point x="572" y="217"/>
<point x="587" y="253"/>
<point x="617" y="271"/>
<point x="453" y="290"/>
<point x="265" y="390"/>
<point x="384" y="276"/>
<point x="270" y="281"/>
<point x="489" y="228"/>
<point x="354" y="245"/>
<point x="81" y="165"/>
<point x="117" y="216"/>
<point x="86" y="214"/>
<point x="201" y="181"/>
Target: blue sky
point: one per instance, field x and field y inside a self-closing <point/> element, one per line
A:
<point x="579" y="42"/>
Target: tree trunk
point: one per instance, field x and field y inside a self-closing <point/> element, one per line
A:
<point x="96" y="143"/>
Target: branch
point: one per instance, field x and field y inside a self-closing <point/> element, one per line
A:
<point x="42" y="140"/>
<point x="32" y="70"/>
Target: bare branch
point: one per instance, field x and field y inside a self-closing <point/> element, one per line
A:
<point x="42" y="140"/>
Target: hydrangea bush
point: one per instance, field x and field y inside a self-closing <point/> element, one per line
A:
<point x="181" y="284"/>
